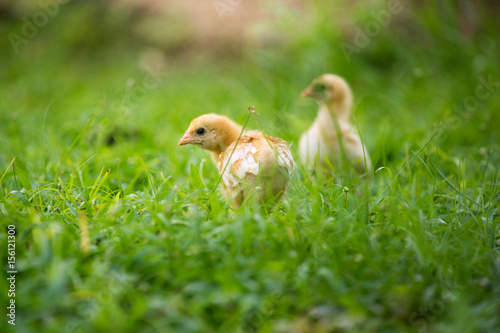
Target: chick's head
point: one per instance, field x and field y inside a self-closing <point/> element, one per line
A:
<point x="328" y="88"/>
<point x="211" y="132"/>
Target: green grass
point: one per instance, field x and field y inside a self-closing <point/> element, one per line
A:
<point x="118" y="228"/>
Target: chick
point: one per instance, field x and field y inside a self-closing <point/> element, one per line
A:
<point x="335" y="102"/>
<point x="257" y="166"/>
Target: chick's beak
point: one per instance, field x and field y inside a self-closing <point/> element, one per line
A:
<point x="307" y="92"/>
<point x="187" y="139"/>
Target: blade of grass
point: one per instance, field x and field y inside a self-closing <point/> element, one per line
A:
<point x="234" y="148"/>
<point x="80" y="134"/>
<point x="11" y="163"/>
<point x="377" y="201"/>
<point x="98" y="183"/>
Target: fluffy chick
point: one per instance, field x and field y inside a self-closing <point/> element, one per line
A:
<point x="334" y="97"/>
<point x="259" y="162"/>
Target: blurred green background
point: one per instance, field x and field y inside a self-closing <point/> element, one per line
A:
<point x="87" y="86"/>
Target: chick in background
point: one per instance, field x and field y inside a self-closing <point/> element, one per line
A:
<point x="331" y="133"/>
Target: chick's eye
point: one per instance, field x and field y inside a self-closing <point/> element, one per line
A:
<point x="319" y="87"/>
<point x="200" y="131"/>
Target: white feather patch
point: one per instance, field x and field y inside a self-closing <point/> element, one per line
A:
<point x="241" y="163"/>
<point x="285" y="158"/>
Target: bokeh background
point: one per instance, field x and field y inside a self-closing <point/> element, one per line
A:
<point x="89" y="85"/>
<point x="154" y="65"/>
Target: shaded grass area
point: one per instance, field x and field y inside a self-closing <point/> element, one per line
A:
<point x="118" y="228"/>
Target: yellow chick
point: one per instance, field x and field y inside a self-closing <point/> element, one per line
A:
<point x="258" y="165"/>
<point x="334" y="97"/>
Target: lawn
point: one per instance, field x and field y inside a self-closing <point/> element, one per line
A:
<point x="119" y="229"/>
